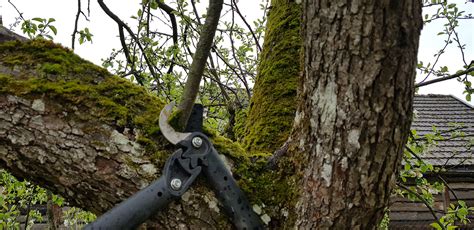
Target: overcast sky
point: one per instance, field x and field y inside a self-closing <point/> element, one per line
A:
<point x="105" y="32"/>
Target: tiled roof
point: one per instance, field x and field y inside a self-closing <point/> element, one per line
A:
<point x="446" y="113"/>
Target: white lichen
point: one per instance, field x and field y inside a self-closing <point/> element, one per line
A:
<point x="266" y="219"/>
<point x="126" y="172"/>
<point x="124" y="144"/>
<point x="38" y="105"/>
<point x="118" y="138"/>
<point x="344" y="163"/>
<point x="149" y="169"/>
<point x="16" y="117"/>
<point x="257" y="209"/>
<point x="326" y="173"/>
<point x="324" y="101"/>
<point x="37" y="122"/>
<point x="353" y="138"/>
<point x="212" y="202"/>
<point x="185" y="197"/>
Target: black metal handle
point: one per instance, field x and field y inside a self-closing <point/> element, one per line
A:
<point x="136" y="209"/>
<point x="176" y="179"/>
<point x="229" y="194"/>
<point x="183" y="168"/>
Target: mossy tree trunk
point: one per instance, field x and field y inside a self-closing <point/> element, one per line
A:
<point x="272" y="107"/>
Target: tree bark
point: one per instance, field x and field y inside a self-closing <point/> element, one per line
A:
<point x="355" y="108"/>
<point x="272" y="106"/>
<point x="203" y="49"/>
<point x="91" y="137"/>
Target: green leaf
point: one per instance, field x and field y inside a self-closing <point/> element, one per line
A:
<point x="436" y="226"/>
<point x="468" y="84"/>
<point x="462" y="213"/>
<point x="407" y="167"/>
<point x="38" y="19"/>
<point x="53" y="28"/>
<point x="154" y="4"/>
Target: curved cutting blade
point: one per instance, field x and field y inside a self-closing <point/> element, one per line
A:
<point x="170" y="134"/>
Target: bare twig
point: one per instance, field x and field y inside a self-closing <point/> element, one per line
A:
<point x="76" y="22"/>
<point x="234" y="52"/>
<point x="458" y="74"/>
<point x="447" y="186"/>
<point x="16" y="9"/>
<point x="433" y="213"/>
<point x="170" y="11"/>
<point x="248" y="26"/>
<point x="128" y="57"/>
<point x="122" y="25"/>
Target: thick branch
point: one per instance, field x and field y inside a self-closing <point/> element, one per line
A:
<point x="199" y="60"/>
<point x="91" y="137"/>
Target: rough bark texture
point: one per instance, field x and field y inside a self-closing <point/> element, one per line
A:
<point x="89" y="136"/>
<point x="355" y="108"/>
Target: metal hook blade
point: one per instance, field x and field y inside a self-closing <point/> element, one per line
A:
<point x="170" y="134"/>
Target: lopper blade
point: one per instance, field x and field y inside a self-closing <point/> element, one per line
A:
<point x="170" y="134"/>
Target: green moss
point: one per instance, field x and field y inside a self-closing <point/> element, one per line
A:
<point x="48" y="58"/>
<point x="77" y="84"/>
<point x="52" y="68"/>
<point x="272" y="107"/>
<point x="273" y="188"/>
<point x="56" y="73"/>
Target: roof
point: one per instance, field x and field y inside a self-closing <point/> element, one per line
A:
<point x="7" y="35"/>
<point x="447" y="113"/>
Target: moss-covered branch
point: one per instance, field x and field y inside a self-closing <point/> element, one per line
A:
<point x="72" y="127"/>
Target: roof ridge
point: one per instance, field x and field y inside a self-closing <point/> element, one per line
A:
<point x="445" y="96"/>
<point x="432" y="95"/>
<point x="463" y="102"/>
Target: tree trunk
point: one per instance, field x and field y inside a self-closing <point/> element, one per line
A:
<point x="272" y="107"/>
<point x="355" y="108"/>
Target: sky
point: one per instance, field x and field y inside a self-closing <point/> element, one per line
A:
<point x="106" y="36"/>
<point x="431" y="43"/>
